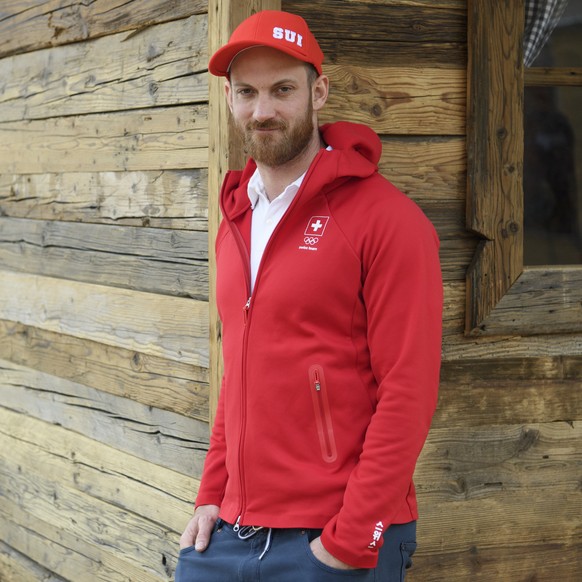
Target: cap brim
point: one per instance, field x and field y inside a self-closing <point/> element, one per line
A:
<point x="222" y="59"/>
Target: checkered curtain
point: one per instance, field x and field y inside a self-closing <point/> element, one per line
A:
<point x="541" y="17"/>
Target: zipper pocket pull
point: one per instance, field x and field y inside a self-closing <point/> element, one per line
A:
<point x="317" y="381"/>
<point x="236" y="526"/>
<point x="246" y="310"/>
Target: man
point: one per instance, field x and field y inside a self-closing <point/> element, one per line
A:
<point x="330" y="297"/>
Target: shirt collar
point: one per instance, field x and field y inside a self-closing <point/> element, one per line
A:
<point x="256" y="189"/>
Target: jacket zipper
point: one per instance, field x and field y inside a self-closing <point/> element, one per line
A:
<point x="246" y="308"/>
<point x="246" y="316"/>
<point x="322" y="412"/>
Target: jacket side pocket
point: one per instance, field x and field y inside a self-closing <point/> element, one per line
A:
<point x="323" y="421"/>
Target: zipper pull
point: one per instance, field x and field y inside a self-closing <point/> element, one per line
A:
<point x="317" y="382"/>
<point x="246" y="310"/>
<point x="236" y="526"/>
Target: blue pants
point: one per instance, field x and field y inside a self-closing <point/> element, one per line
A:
<point x="287" y="557"/>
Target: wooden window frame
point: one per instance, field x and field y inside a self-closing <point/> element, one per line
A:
<point x="503" y="296"/>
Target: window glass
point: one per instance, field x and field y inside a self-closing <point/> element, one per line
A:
<point x="553" y="153"/>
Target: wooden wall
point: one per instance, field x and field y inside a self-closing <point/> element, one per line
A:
<point x="499" y="480"/>
<point x="104" y="288"/>
<point x="103" y="285"/>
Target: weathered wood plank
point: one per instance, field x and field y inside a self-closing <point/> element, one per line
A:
<point x="150" y="380"/>
<point x="116" y="464"/>
<point x="425" y="167"/>
<point x="164" y="65"/>
<point x="98" y="481"/>
<point x="509" y="390"/>
<point x="546" y="561"/>
<point x="169" y="327"/>
<point x="398" y="100"/>
<point x="89" y="541"/>
<point x="160" y="436"/>
<point x="553" y="296"/>
<point x="27" y="25"/>
<point x="387" y="33"/>
<point x="495" y="153"/>
<point x="543" y="519"/>
<point x="552" y="77"/>
<point x="158" y="139"/>
<point x="176" y="199"/>
<point x="16" y="567"/>
<point x="477" y="487"/>
<point x="494" y="462"/>
<point x="144" y="259"/>
<point x="456" y="347"/>
<point x="403" y="21"/>
<point x="33" y="537"/>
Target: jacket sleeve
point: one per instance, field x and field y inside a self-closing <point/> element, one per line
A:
<point x="214" y="475"/>
<point x="402" y="291"/>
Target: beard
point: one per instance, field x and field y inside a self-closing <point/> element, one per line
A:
<point x="281" y="146"/>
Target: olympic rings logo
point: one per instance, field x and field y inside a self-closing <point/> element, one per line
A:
<point x="311" y="240"/>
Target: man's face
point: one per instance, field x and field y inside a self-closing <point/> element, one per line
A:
<point x="272" y="104"/>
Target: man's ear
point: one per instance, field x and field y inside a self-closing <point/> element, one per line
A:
<point x="228" y="93"/>
<point x="319" y="92"/>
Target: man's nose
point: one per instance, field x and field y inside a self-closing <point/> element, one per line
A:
<point x="264" y="108"/>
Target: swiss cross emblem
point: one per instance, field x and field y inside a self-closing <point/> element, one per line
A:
<point x="316" y="226"/>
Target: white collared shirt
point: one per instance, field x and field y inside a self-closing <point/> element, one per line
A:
<point x="266" y="216"/>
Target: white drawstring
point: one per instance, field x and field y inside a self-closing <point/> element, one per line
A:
<point x="267" y="544"/>
<point x="248" y="531"/>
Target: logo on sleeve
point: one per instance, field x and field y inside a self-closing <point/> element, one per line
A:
<point x="313" y="232"/>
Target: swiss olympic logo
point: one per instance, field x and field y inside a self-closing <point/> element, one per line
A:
<point x="316" y="226"/>
<point x="313" y="232"/>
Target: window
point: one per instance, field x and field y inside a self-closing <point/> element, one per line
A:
<point x="552" y="180"/>
<point x="503" y="295"/>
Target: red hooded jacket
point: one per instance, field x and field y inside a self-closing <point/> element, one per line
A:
<point x="331" y="367"/>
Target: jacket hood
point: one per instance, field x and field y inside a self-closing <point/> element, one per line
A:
<point x="356" y="150"/>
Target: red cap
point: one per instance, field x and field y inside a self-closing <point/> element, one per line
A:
<point x="279" y="30"/>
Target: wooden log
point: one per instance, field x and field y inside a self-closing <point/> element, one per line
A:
<point x="478" y="486"/>
<point x="387" y="33"/>
<point x="405" y="21"/>
<point x="456" y="347"/>
<point x="549" y="560"/>
<point x="529" y="401"/>
<point x="33" y="537"/>
<point x="398" y="100"/>
<point x="552" y="77"/>
<point x="163" y="65"/>
<point x="167" y="384"/>
<point x="98" y="481"/>
<point x="495" y="153"/>
<point x="176" y="199"/>
<point x="28" y="25"/>
<point x="83" y="451"/>
<point x="16" y="567"/>
<point x="553" y="296"/>
<point x="426" y="167"/>
<point x="169" y="327"/>
<point x="80" y="540"/>
<point x="493" y="462"/>
<point x="160" y="436"/>
<point x="508" y="390"/>
<point x="144" y="259"/>
<point x="158" y="139"/>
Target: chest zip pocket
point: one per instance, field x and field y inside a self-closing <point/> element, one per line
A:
<point x="322" y="414"/>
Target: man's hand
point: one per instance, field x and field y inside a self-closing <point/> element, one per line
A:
<point x="326" y="558"/>
<point x="199" y="528"/>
